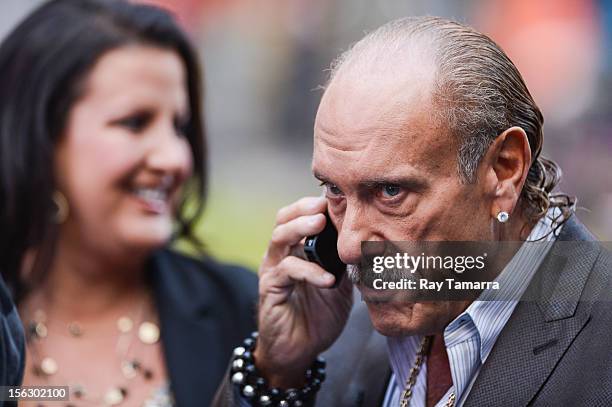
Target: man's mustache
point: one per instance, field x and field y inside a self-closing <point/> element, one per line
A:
<point x="353" y="272"/>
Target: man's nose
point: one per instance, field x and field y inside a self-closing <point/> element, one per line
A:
<point x="352" y="230"/>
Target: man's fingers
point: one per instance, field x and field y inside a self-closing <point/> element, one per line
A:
<point x="291" y="233"/>
<point x="292" y="270"/>
<point x="297" y="250"/>
<point x="305" y="206"/>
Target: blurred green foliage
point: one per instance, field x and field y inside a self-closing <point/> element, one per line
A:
<point x="235" y="229"/>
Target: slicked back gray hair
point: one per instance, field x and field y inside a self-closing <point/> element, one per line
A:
<point x="479" y="92"/>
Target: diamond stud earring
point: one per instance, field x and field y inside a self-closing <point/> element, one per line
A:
<point x="503" y="217"/>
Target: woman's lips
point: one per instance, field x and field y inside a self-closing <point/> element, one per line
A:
<point x="153" y="200"/>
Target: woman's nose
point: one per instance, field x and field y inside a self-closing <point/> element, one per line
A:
<point x="171" y="153"/>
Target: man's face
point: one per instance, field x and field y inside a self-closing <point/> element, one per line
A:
<point x="389" y="167"/>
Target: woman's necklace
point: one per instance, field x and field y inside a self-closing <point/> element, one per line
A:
<point x="46" y="366"/>
<point x="414" y="373"/>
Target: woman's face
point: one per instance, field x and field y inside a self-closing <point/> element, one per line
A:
<point x="123" y="156"/>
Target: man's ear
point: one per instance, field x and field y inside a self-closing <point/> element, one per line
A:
<point x="510" y="159"/>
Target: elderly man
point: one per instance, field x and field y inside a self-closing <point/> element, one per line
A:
<point x="427" y="132"/>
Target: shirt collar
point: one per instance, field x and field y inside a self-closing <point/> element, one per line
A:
<point x="490" y="316"/>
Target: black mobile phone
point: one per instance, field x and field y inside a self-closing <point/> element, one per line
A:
<point x="323" y="250"/>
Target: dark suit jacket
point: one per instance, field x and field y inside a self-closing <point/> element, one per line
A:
<point x="12" y="341"/>
<point x="554" y="351"/>
<point x="205" y="309"/>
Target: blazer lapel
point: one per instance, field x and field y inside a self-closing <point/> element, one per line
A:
<point x="189" y="334"/>
<point x="542" y="327"/>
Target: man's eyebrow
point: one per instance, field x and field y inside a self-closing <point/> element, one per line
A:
<point x="320" y="177"/>
<point x="411" y="183"/>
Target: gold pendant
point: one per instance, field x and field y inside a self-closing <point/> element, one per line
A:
<point x="48" y="366"/>
<point x="41" y="330"/>
<point x="114" y="396"/>
<point x="148" y="333"/>
<point x="128" y="369"/>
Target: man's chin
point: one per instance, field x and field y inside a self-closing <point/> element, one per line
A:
<point x="392" y="319"/>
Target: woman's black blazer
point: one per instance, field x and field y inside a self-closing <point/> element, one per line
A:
<point x="205" y="310"/>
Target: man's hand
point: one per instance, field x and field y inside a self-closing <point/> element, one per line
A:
<point x="299" y="315"/>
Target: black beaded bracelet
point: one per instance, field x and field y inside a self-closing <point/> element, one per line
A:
<point x="253" y="387"/>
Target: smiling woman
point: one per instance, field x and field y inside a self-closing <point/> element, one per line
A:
<point x="128" y="126"/>
<point x="101" y="145"/>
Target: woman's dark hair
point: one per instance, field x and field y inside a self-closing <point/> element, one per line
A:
<point x="44" y="63"/>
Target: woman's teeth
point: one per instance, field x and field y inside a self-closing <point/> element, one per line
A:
<point x="151" y="194"/>
<point x="155" y="199"/>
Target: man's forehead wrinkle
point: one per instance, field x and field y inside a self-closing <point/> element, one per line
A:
<point x="337" y="130"/>
<point x="332" y="139"/>
<point x="356" y="134"/>
<point x="368" y="118"/>
<point x="385" y="134"/>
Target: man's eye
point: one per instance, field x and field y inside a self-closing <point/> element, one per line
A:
<point x="331" y="190"/>
<point x="390" y="190"/>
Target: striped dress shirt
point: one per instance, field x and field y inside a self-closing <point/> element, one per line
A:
<point x="470" y="337"/>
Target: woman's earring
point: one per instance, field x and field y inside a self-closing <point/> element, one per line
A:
<point x="502" y="217"/>
<point x="63" y="209"/>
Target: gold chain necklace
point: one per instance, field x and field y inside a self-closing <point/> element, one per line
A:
<point x="46" y="367"/>
<point x="414" y="373"/>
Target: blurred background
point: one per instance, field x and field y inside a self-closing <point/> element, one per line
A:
<point x="265" y="60"/>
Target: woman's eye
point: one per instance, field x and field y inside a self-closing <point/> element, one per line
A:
<point x="390" y="190"/>
<point x="135" y="123"/>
